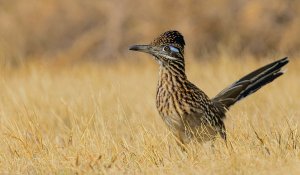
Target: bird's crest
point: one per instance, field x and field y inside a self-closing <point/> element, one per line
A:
<point x="172" y="37"/>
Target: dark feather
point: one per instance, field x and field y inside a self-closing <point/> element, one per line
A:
<point x="250" y="83"/>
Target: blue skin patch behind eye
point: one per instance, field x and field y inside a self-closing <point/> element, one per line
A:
<point x="174" y="49"/>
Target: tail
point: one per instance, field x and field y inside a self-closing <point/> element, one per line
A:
<point x="250" y="83"/>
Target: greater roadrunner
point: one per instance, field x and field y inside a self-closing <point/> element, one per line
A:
<point x="187" y="110"/>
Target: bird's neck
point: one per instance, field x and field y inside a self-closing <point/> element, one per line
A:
<point x="172" y="75"/>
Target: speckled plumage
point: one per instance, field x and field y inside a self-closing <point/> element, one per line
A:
<point x="187" y="111"/>
<point x="170" y="37"/>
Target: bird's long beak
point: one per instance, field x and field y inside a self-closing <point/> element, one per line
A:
<point x="141" y="48"/>
<point x="144" y="48"/>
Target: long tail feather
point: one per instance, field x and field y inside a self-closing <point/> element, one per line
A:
<point x="250" y="83"/>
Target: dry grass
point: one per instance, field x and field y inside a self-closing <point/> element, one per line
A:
<point x="93" y="118"/>
<point x="60" y="114"/>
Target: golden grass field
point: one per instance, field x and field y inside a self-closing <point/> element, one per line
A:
<point x="101" y="119"/>
<point x="74" y="100"/>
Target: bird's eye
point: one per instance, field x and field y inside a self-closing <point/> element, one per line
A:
<point x="166" y="49"/>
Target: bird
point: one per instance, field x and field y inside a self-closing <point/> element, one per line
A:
<point x="186" y="110"/>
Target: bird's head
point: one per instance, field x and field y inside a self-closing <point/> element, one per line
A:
<point x="167" y="49"/>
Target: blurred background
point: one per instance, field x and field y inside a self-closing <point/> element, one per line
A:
<point x="74" y="30"/>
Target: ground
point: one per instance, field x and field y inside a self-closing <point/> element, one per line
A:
<point x="92" y="118"/>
